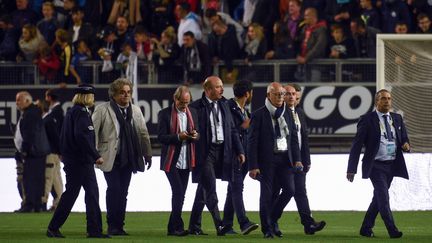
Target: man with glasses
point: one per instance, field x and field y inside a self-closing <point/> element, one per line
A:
<point x="292" y="99"/>
<point x="273" y="152"/>
<point x="123" y="141"/>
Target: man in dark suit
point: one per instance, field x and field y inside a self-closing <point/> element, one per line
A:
<point x="177" y="132"/>
<point x="273" y="152"/>
<point x="32" y="143"/>
<point x="384" y="136"/>
<point x="218" y="141"/>
<point x="234" y="199"/>
<point x="292" y="99"/>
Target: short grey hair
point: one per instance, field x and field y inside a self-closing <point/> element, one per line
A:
<point x="378" y="94"/>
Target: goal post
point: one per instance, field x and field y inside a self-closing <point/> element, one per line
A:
<point x="404" y="66"/>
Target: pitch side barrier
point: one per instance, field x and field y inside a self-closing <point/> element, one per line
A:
<point x="332" y="109"/>
<point x="262" y="71"/>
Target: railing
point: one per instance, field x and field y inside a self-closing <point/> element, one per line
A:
<point x="321" y="70"/>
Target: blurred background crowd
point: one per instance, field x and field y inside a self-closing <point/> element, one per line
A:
<point x="58" y="35"/>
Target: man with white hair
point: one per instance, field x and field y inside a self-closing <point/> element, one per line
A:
<point x="273" y="152"/>
<point x="32" y="143"/>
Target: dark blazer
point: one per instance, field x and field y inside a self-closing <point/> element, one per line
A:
<point x="304" y="151"/>
<point x="231" y="143"/>
<point x="53" y="133"/>
<point x="166" y="138"/>
<point x="262" y="137"/>
<point x="369" y="135"/>
<point x="35" y="141"/>
<point x="58" y="114"/>
<point x="238" y="119"/>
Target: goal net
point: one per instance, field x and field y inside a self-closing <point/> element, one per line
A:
<point x="404" y="66"/>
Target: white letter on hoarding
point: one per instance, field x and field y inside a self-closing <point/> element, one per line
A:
<point x="345" y="108"/>
<point x="327" y="105"/>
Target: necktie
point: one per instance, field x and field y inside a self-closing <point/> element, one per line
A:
<point x="215" y="113"/>
<point x="387" y="128"/>
<point x="124" y="112"/>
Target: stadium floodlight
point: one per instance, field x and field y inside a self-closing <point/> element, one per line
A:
<point x="404" y="66"/>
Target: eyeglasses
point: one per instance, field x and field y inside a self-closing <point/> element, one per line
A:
<point x="280" y="94"/>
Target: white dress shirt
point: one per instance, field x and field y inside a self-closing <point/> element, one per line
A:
<point x="182" y="159"/>
<point x="385" y="148"/>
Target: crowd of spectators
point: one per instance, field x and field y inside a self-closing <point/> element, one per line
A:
<point x="58" y="34"/>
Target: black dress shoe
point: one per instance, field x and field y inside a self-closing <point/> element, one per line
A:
<point x="268" y="235"/>
<point x="231" y="231"/>
<point x="315" y="227"/>
<point x="117" y="232"/>
<point x="366" y="232"/>
<point x="97" y="235"/>
<point x="276" y="230"/>
<point x="178" y="233"/>
<point x="221" y="230"/>
<point x="25" y="210"/>
<point x="196" y="232"/>
<point x="54" y="234"/>
<point x="396" y="234"/>
<point x="249" y="227"/>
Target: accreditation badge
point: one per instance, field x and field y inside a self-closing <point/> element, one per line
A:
<point x="391" y="149"/>
<point x="281" y="145"/>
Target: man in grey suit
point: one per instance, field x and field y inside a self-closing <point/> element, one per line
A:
<point x="385" y="137"/>
<point x="122" y="140"/>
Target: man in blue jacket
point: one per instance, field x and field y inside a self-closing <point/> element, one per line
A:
<point x="273" y="152"/>
<point x="384" y="136"/>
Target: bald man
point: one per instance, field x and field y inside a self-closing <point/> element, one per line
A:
<point x="219" y="142"/>
<point x="32" y="143"/>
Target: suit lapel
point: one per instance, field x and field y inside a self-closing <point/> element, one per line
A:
<point x="268" y="119"/>
<point x="396" y="126"/>
<point x="114" y="119"/>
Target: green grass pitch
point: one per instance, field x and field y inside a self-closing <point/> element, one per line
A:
<point x="151" y="227"/>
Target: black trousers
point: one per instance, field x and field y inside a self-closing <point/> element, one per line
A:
<point x="178" y="179"/>
<point x="78" y="175"/>
<point x="118" y="180"/>
<point x="206" y="190"/>
<point x="270" y="208"/>
<point x="234" y="199"/>
<point x="301" y="199"/>
<point x="381" y="177"/>
<point x="34" y="182"/>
